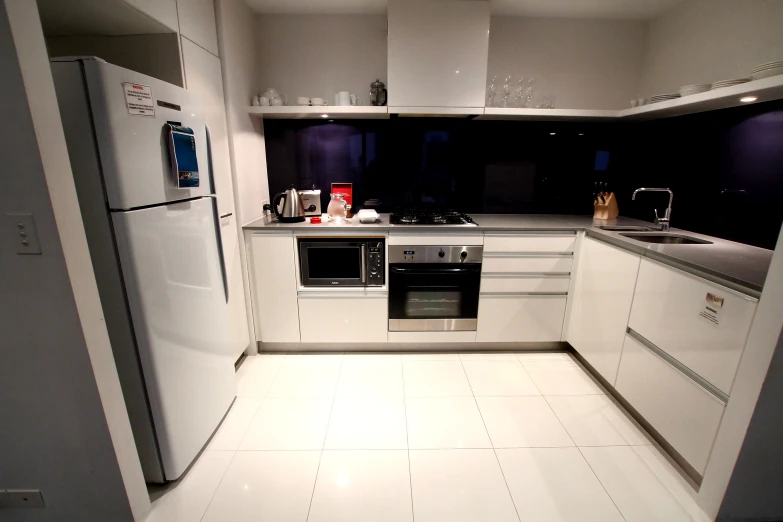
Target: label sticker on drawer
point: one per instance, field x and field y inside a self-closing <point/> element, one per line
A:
<point x="712" y="308"/>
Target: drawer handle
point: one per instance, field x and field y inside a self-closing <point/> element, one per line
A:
<point x="677" y="365"/>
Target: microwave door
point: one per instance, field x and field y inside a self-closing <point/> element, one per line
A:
<point x="332" y="264"/>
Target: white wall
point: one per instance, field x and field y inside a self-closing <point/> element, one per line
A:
<point x="313" y="55"/>
<point x="586" y="64"/>
<point x="65" y="429"/>
<point x="703" y="41"/>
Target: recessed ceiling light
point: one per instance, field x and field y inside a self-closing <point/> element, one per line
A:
<point x="457" y="72"/>
<point x="324" y="115"/>
<point x="748" y="99"/>
<point x="552" y="133"/>
<point x="581" y="133"/>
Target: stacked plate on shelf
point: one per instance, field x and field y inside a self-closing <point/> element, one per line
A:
<point x="766" y="70"/>
<point x="687" y="90"/>
<point x="663" y="97"/>
<point x="728" y="83"/>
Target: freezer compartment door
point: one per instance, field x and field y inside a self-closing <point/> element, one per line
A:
<point x="174" y="275"/>
<point x="132" y="141"/>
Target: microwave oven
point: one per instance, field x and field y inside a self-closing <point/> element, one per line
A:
<point x="342" y="262"/>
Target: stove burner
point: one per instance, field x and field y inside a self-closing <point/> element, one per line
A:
<point x="429" y="217"/>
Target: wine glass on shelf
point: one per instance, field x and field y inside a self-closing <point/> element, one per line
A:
<point x="492" y="90"/>
<point x="519" y="92"/>
<point x="529" y="87"/>
<point x="506" y="90"/>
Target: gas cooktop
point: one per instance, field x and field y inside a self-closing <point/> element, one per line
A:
<point x="411" y="216"/>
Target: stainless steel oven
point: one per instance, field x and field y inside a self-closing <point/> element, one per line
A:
<point x="434" y="288"/>
<point x="342" y="262"/>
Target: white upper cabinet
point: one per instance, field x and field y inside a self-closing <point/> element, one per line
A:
<point x="437" y="52"/>
<point x="203" y="76"/>
<point x="197" y="23"/>
<point x="163" y="11"/>
<point x="699" y="323"/>
<point x="605" y="281"/>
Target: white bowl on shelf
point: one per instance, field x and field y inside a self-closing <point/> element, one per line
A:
<point x="766" y="73"/>
<point x="689" y="90"/>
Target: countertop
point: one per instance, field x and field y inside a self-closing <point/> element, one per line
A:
<point x="735" y="265"/>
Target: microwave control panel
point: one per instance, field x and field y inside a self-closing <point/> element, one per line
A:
<point x="375" y="265"/>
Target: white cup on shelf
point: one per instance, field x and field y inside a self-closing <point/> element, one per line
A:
<point x="318" y="101"/>
<point x="263" y="101"/>
<point x="303" y="100"/>
<point x="343" y="98"/>
<point x="355" y="100"/>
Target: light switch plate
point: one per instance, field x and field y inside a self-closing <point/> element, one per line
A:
<point x="23" y="498"/>
<point x="24" y="235"/>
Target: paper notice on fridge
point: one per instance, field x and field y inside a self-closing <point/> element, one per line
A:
<point x="712" y="308"/>
<point x="138" y="98"/>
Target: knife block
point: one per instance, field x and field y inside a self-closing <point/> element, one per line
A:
<point x="607" y="210"/>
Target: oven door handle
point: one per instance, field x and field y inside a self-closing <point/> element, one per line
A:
<point x="423" y="271"/>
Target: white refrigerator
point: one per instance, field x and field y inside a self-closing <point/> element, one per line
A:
<point x="155" y="245"/>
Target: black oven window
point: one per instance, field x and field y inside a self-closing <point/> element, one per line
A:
<point x="334" y="262"/>
<point x="433" y="302"/>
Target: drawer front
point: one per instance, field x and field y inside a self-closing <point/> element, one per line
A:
<point x="682" y="411"/>
<point x="667" y="309"/>
<point x="338" y="319"/>
<point x="520" y="318"/>
<point x="525" y="284"/>
<point x="432" y="337"/>
<point x="436" y="240"/>
<point x="527" y="264"/>
<point x="530" y="243"/>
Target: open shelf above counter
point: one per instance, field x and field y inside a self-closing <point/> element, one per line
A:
<point x="332" y="112"/>
<point x="766" y="89"/>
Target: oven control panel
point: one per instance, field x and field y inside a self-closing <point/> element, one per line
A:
<point x="435" y="254"/>
<point x="375" y="265"/>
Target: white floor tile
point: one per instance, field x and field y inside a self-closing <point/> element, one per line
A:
<point x="288" y="424"/>
<point x="367" y="423"/>
<point x="315" y="357"/>
<point x="488" y="357"/>
<point x="525" y="357"/>
<point x="362" y="486"/>
<point x="430" y="357"/>
<point x="522" y="422"/>
<point x="371" y="357"/>
<point x="555" y="485"/>
<point x="459" y="486"/>
<point x="266" y="485"/>
<point x="498" y="378"/>
<point x="256" y="374"/>
<point x="445" y="422"/>
<point x="235" y="425"/>
<point x="186" y="499"/>
<point x="370" y="378"/>
<point x="594" y="420"/>
<point x="561" y="378"/>
<point x="643" y="485"/>
<point x="435" y="379"/>
<point x="305" y="379"/>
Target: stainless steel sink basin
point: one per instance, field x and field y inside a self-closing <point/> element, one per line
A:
<point x="667" y="239"/>
<point x="611" y="228"/>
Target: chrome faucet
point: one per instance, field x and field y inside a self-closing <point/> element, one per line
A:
<point x="664" y="221"/>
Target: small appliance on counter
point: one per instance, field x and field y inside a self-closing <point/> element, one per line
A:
<point x="311" y="201"/>
<point x="342" y="262"/>
<point x="434" y="288"/>
<point x="367" y="216"/>
<point x="293" y="210"/>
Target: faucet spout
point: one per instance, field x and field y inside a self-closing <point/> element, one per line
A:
<point x="664" y="221"/>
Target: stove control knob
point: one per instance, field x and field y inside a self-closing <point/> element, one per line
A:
<point x="441" y="254"/>
<point x="463" y="255"/>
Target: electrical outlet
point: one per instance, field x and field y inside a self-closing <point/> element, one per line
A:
<point x="23" y="498"/>
<point x="25" y="237"/>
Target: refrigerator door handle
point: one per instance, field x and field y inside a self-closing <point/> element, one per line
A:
<point x="219" y="237"/>
<point x="210" y="170"/>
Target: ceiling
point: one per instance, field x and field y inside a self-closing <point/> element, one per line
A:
<point x="617" y="9"/>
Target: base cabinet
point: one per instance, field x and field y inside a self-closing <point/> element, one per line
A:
<point x="343" y="318"/>
<point x="683" y="412"/>
<point x="606" y="277"/>
<point x="520" y="318"/>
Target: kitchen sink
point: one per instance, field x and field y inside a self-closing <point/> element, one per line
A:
<point x="667" y="239"/>
<point x="625" y="228"/>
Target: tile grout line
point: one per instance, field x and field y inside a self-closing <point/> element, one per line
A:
<point x="407" y="439"/>
<point x="494" y="450"/>
<point x="260" y="404"/>
<point x="321" y="456"/>
<point x="584" y="458"/>
<point x="222" y="477"/>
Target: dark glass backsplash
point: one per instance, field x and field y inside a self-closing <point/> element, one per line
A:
<point x="725" y="167"/>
